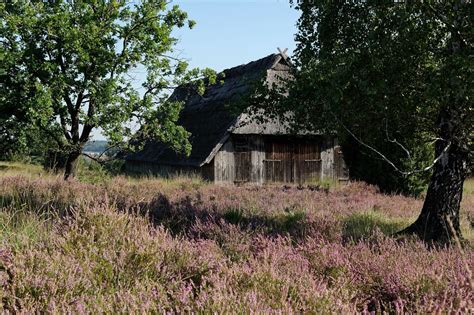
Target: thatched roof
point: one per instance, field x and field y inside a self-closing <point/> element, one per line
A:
<point x="207" y="117"/>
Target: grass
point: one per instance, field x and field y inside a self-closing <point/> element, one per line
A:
<point x="105" y="244"/>
<point x="364" y="224"/>
<point x="20" y="229"/>
<point x="469" y="186"/>
<point x="18" y="168"/>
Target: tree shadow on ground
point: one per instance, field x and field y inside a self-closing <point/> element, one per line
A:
<point x="182" y="216"/>
<point x="189" y="215"/>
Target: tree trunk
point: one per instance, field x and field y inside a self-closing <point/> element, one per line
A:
<point x="439" y="218"/>
<point x="71" y="165"/>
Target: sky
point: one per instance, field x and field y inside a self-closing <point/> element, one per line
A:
<point x="232" y="32"/>
<point x="229" y="33"/>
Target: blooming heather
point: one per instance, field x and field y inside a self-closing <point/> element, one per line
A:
<point x="185" y="246"/>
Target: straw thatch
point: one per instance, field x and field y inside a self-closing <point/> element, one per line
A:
<point x="208" y="118"/>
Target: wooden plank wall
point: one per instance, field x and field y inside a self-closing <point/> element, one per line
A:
<point x="292" y="160"/>
<point x="341" y="170"/>
<point x="277" y="159"/>
<point x="327" y="158"/>
<point x="240" y="167"/>
<point x="257" y="154"/>
<point x="307" y="160"/>
<point x="224" y="163"/>
<point x="242" y="158"/>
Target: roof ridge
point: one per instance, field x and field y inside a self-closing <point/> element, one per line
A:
<point x="269" y="60"/>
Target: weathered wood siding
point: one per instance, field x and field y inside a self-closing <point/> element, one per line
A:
<point x="257" y="154"/>
<point x="240" y="160"/>
<point x="292" y="160"/>
<point x="263" y="159"/>
<point x="307" y="160"/>
<point x="327" y="158"/>
<point x="340" y="167"/>
<point x="224" y="163"/>
<point x="278" y="160"/>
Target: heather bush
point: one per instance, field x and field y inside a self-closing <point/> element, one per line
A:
<point x="172" y="246"/>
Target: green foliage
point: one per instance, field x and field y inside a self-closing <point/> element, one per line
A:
<point x="384" y="75"/>
<point x="90" y="171"/>
<point x="66" y="68"/>
<point x="21" y="140"/>
<point x="366" y="166"/>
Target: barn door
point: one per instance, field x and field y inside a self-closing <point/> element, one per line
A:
<point x="278" y="163"/>
<point x="242" y="159"/>
<point x="307" y="160"/>
<point x="292" y="160"/>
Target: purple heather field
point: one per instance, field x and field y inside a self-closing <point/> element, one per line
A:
<point x="123" y="245"/>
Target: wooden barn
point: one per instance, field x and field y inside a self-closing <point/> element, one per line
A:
<point x="230" y="148"/>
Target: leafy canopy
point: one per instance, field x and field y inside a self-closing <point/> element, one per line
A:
<point x="68" y="67"/>
<point x="380" y="73"/>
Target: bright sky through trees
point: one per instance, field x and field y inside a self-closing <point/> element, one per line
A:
<point x="232" y="32"/>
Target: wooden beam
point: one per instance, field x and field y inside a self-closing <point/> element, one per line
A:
<point x="283" y="53"/>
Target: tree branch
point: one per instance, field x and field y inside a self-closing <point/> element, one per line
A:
<point x="395" y="141"/>
<point x="98" y="158"/>
<point x="66" y="133"/>
<point x="93" y="158"/>
<point x="380" y="154"/>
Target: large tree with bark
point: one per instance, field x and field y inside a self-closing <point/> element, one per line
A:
<point x="394" y="77"/>
<point x="68" y="67"/>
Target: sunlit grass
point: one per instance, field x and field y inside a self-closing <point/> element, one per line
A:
<point x="364" y="224"/>
<point x="18" y="168"/>
<point x="469" y="186"/>
<point x="20" y="230"/>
